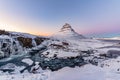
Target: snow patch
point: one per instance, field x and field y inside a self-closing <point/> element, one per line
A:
<point x="28" y="61"/>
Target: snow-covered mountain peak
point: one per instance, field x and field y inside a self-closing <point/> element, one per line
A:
<point x="67" y="27"/>
<point x="67" y="32"/>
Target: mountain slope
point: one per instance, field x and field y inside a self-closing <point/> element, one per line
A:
<point x="67" y="32"/>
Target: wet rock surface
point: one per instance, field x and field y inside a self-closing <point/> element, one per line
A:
<point x="25" y="42"/>
<point x="39" y="40"/>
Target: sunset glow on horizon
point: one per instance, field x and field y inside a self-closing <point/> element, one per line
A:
<point x="46" y="17"/>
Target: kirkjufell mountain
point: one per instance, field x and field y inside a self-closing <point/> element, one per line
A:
<point x="67" y="32"/>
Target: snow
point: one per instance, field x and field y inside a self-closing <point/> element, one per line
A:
<point x="25" y="76"/>
<point x="113" y="38"/>
<point x="112" y="65"/>
<point x="60" y="53"/>
<point x="8" y="66"/>
<point x="39" y="75"/>
<point x="28" y="61"/>
<point x="4" y="37"/>
<point x="27" y="35"/>
<point x="111" y="68"/>
<point x="87" y="72"/>
<point x="105" y="50"/>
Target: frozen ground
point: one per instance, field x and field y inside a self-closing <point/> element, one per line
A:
<point x="25" y="76"/>
<point x="87" y="72"/>
<point x="106" y="70"/>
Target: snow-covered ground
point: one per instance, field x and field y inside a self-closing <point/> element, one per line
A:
<point x="113" y="38"/>
<point x="26" y="76"/>
<point x="87" y="72"/>
<point x="75" y="46"/>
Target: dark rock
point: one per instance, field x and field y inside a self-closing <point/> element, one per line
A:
<point x="57" y="46"/>
<point x="26" y="42"/>
<point x="65" y="43"/>
<point x="103" y="55"/>
<point x="113" y="53"/>
<point x="39" y="40"/>
<point x="3" y="32"/>
<point x="4" y="45"/>
<point x="88" y="51"/>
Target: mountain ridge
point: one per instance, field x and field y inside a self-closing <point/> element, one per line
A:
<point x="67" y="32"/>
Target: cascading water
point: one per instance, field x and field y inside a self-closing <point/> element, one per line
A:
<point x="9" y="46"/>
